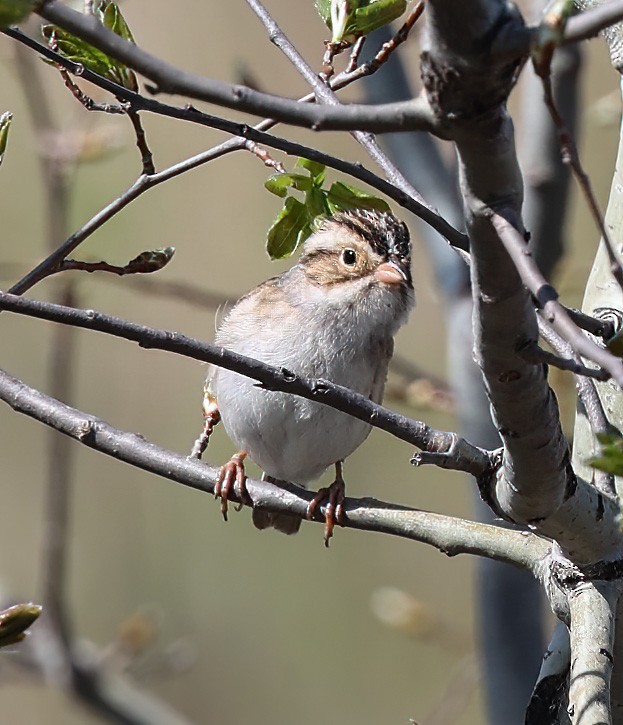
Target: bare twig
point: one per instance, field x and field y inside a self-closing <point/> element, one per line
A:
<point x="353" y="61"/>
<point x="603" y="328"/>
<point x="453" y="451"/>
<point x="570" y="155"/>
<point x="83" y="99"/>
<point x="144" y="263"/>
<point x="388" y="48"/>
<point x="532" y="353"/>
<point x="449" y="534"/>
<point x="141" y="141"/>
<point x="263" y="155"/>
<point x="547" y="298"/>
<point x="593" y="407"/>
<point x="519" y="41"/>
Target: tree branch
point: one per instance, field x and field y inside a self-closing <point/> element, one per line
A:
<point x="406" y="116"/>
<point x="592" y="607"/>
<point x="446" y="449"/>
<point x="144" y="182"/>
<point x="325" y="95"/>
<point x="547" y="298"/>
<point x="446" y="533"/>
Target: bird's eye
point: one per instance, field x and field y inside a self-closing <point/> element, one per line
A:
<point x="349" y="257"/>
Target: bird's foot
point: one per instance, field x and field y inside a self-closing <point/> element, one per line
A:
<point x="231" y="476"/>
<point x="334" y="496"/>
<point x="211" y="417"/>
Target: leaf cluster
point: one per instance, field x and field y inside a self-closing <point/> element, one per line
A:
<point x="296" y="220"/>
<point x="79" y="51"/>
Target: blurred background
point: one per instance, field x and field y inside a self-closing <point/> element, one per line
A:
<point x="220" y="621"/>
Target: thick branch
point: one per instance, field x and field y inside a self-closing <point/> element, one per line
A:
<point x="446" y="533"/>
<point x="592" y="608"/>
<point x="447" y="449"/>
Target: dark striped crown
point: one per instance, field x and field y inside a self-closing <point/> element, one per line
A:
<point x="388" y="236"/>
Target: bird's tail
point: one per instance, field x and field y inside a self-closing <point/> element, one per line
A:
<point x="282" y="522"/>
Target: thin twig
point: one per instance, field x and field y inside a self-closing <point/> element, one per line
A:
<point x="144" y="263"/>
<point x="353" y="61"/>
<point x="325" y="95"/>
<point x="147" y="158"/>
<point x="547" y="298"/>
<point x="603" y="328"/>
<point x="263" y="155"/>
<point x="532" y="353"/>
<point x="83" y="98"/>
<point x="591" y="402"/>
<point x="445" y="448"/>
<point x="388" y="48"/>
<point x="570" y="155"/>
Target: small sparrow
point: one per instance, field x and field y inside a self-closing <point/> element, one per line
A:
<point x="333" y="315"/>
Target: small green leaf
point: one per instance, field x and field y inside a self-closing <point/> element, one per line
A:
<point x="14" y="11"/>
<point x="374" y="15"/>
<point x="611" y="458"/>
<point x="343" y="196"/>
<point x="317" y="171"/>
<point x="316" y="203"/>
<point x="289" y="229"/>
<point x="279" y="183"/>
<point x="79" y="51"/>
<point x="350" y="19"/>
<point x="5" y="124"/>
<point x="114" y="20"/>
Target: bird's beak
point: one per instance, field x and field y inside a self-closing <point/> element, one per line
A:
<point x="390" y="273"/>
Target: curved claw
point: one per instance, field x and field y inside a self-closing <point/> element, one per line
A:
<point x="231" y="476"/>
<point x="334" y="496"/>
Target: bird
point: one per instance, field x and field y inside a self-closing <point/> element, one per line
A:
<point x="332" y="315"/>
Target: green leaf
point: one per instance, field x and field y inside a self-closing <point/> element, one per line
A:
<point x="358" y="17"/>
<point x="374" y="15"/>
<point x="5" y="124"/>
<point x="279" y="183"/>
<point x="317" y="171"/>
<point x="114" y="20"/>
<point x="79" y="51"/>
<point x="14" y="11"/>
<point x="289" y="229"/>
<point x="611" y="458"/>
<point x="316" y="203"/>
<point x="343" y="196"/>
